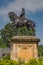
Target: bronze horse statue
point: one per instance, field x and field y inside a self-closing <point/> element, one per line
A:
<point x="20" y="21"/>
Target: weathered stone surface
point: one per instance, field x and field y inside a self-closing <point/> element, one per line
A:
<point x="25" y="38"/>
<point x="24" y="47"/>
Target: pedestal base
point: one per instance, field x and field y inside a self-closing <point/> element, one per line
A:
<point x="24" y="47"/>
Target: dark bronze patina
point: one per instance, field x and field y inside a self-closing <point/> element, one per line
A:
<point x="20" y="21"/>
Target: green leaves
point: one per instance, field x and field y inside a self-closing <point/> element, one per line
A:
<point x="2" y="43"/>
<point x="40" y="50"/>
<point x="20" y="62"/>
<point x="11" y="30"/>
<point x="7" y="32"/>
<point x="23" y="31"/>
<point x="8" y="62"/>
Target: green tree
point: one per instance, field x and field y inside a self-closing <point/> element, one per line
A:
<point x="11" y="30"/>
<point x="40" y="50"/>
<point x="7" y="32"/>
<point x="2" y="43"/>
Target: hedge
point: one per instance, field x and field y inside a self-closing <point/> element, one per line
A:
<point x="31" y="62"/>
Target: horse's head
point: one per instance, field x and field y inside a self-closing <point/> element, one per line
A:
<point x="12" y="16"/>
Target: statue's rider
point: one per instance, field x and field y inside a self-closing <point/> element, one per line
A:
<point x="21" y="20"/>
<point x="22" y="15"/>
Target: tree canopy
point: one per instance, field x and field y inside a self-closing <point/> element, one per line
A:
<point x="2" y="43"/>
<point x="40" y="50"/>
<point x="10" y="30"/>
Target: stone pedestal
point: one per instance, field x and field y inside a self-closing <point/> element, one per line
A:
<point x="24" y="47"/>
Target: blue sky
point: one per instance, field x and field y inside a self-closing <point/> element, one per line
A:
<point x="34" y="11"/>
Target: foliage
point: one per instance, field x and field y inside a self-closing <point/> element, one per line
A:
<point x="32" y="62"/>
<point x="40" y="50"/>
<point x="13" y="62"/>
<point x="21" y="61"/>
<point x="7" y="57"/>
<point x="8" y="62"/>
<point x="10" y="30"/>
<point x="7" y="32"/>
<point x="24" y="31"/>
<point x="2" y="43"/>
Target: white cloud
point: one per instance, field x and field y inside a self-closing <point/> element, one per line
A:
<point x="29" y="5"/>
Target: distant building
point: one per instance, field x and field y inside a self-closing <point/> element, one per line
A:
<point x="4" y="52"/>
